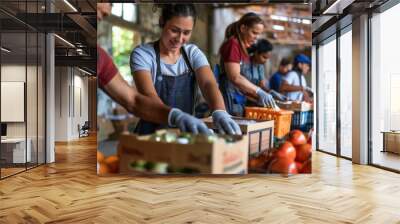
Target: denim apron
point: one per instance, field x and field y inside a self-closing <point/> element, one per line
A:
<point x="174" y="91"/>
<point x="235" y="101"/>
<point x="252" y="73"/>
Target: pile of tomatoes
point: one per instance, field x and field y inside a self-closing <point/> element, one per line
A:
<point x="291" y="157"/>
<point x="107" y="165"/>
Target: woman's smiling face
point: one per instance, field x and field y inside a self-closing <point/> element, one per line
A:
<point x="250" y="34"/>
<point x="176" y="32"/>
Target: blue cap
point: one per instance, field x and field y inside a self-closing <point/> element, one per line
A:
<point x="301" y="58"/>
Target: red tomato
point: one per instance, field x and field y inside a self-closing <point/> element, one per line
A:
<point x="309" y="141"/>
<point x="299" y="166"/>
<point x="306" y="167"/>
<point x="303" y="152"/>
<point x="113" y="164"/>
<point x="297" y="138"/>
<point x="286" y="151"/>
<point x="283" y="166"/>
<point x="256" y="162"/>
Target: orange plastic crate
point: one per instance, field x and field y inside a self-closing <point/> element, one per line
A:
<point x="282" y="118"/>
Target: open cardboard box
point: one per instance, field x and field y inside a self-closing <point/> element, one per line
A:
<point x="260" y="133"/>
<point x="295" y="105"/>
<point x="217" y="157"/>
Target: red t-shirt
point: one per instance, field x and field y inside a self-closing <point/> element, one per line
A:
<point x="232" y="52"/>
<point x="106" y="69"/>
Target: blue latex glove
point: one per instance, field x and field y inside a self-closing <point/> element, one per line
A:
<point x="225" y="124"/>
<point x="309" y="89"/>
<point x="186" y="122"/>
<point x="277" y="95"/>
<point x="265" y="99"/>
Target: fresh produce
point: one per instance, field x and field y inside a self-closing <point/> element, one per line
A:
<point x="100" y="157"/>
<point x="112" y="163"/>
<point x="306" y="168"/>
<point x="138" y="165"/>
<point x="149" y="166"/>
<point x="103" y="168"/>
<point x="257" y="162"/>
<point x="286" y="152"/>
<point x="283" y="166"/>
<point x="297" y="137"/>
<point x="303" y="152"/>
<point x="187" y="138"/>
<point x="160" y="167"/>
<point x="299" y="166"/>
<point x="292" y="156"/>
<point x="108" y="164"/>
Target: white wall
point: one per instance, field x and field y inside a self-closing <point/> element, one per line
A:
<point x="71" y="94"/>
<point x="15" y="73"/>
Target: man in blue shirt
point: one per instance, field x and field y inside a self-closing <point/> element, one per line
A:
<point x="276" y="79"/>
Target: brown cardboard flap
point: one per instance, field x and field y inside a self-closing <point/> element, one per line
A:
<point x="218" y="157"/>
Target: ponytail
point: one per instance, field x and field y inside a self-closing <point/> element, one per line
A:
<point x="233" y="30"/>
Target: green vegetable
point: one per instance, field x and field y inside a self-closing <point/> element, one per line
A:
<point x="149" y="166"/>
<point x="169" y="137"/>
<point x="160" y="168"/>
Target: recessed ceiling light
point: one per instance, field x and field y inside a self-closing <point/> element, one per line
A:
<point x="64" y="40"/>
<point x="86" y="72"/>
<point x="70" y="5"/>
<point x="5" y="49"/>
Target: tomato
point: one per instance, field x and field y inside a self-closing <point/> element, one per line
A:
<point x="309" y="140"/>
<point x="103" y="168"/>
<point x="283" y="166"/>
<point x="303" y="152"/>
<point x="113" y="163"/>
<point x="299" y="166"/>
<point x="100" y="157"/>
<point x="297" y="138"/>
<point x="307" y="168"/>
<point x="256" y="162"/>
<point x="286" y="151"/>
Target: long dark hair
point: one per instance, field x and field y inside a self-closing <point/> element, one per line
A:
<point x="168" y="11"/>
<point x="261" y="46"/>
<point x="233" y="30"/>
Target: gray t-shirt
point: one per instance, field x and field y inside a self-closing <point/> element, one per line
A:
<point x="293" y="79"/>
<point x="143" y="57"/>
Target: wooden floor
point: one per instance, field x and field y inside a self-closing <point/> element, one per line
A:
<point x="69" y="191"/>
<point x="387" y="159"/>
<point x="10" y="171"/>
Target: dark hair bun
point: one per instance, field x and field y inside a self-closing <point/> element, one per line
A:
<point x="168" y="11"/>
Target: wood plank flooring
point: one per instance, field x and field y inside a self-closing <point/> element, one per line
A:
<point x="69" y="191"/>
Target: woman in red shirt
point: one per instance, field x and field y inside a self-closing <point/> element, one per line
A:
<point x="234" y="86"/>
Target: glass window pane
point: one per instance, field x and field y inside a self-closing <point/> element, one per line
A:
<point x="130" y="12"/>
<point x="31" y="97"/>
<point x="346" y="94"/>
<point x="13" y="84"/>
<point x="327" y="97"/>
<point x="385" y="88"/>
<point x="117" y="9"/>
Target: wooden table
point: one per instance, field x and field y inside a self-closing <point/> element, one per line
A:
<point x="391" y="141"/>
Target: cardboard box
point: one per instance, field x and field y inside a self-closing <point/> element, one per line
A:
<point x="260" y="133"/>
<point x="218" y="157"/>
<point x="295" y="105"/>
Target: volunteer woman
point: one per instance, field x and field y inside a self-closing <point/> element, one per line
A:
<point x="169" y="69"/>
<point x="234" y="85"/>
<point x="254" y="71"/>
